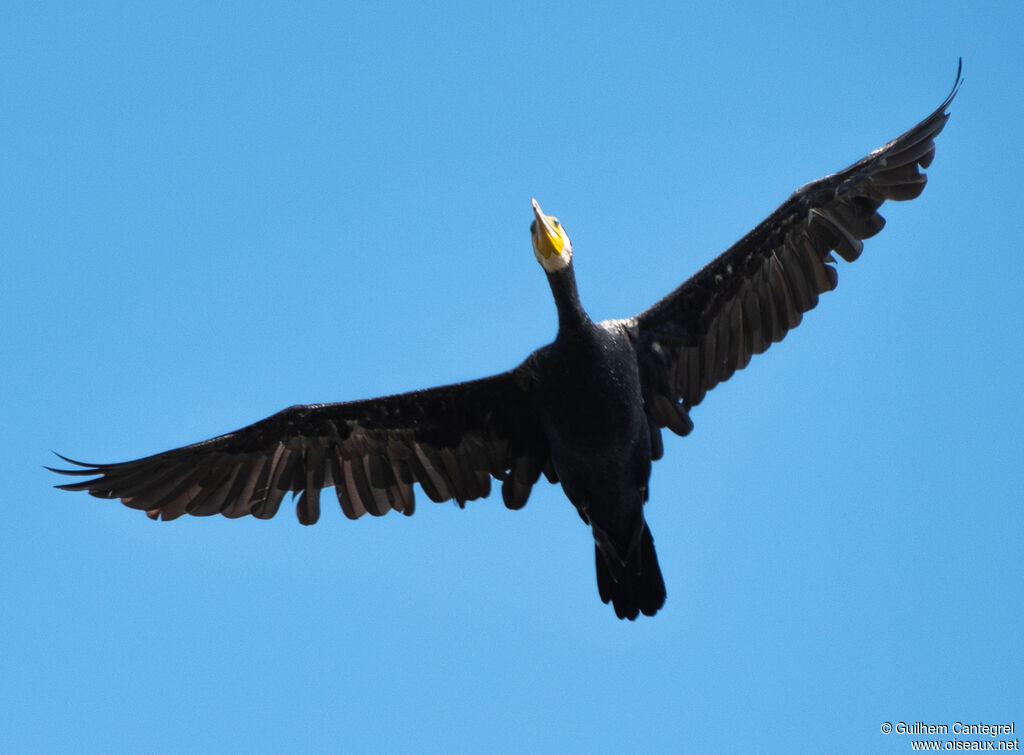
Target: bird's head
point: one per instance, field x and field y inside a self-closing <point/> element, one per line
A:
<point x="550" y="241"/>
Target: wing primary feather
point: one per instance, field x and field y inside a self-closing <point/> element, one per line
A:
<point x="739" y="355"/>
<point x="449" y="466"/>
<point x="142" y="496"/>
<point x="753" y="328"/>
<point x="816" y="266"/>
<point x="838" y="238"/>
<point x="378" y="471"/>
<point x="676" y="417"/>
<point x="173" y="507"/>
<point x="340" y="484"/>
<point x="789" y="316"/>
<point x="403" y="492"/>
<point x="274" y="490"/>
<point x="88" y="468"/>
<point x="694" y="388"/>
<point x="527" y="469"/>
<point x="243" y="502"/>
<point x="422" y="476"/>
<point x="210" y="484"/>
<point x="916" y="154"/>
<point x="515" y="489"/>
<point x="770" y="324"/>
<point x="724" y="346"/>
<point x="380" y="494"/>
<point x="288" y="470"/>
<point x="358" y="488"/>
<point x="804" y="298"/>
<point x="433" y="470"/>
<point x="260" y="496"/>
<point x="859" y="215"/>
<point x="307" y="508"/>
<point x="178" y="507"/>
<point x="216" y="495"/>
<point x="125" y="480"/>
<point x="707" y="358"/>
<point x="166" y="492"/>
<point x="351" y="497"/>
<point x="270" y="504"/>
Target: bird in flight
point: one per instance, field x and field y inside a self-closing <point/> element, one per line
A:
<point x="585" y="411"/>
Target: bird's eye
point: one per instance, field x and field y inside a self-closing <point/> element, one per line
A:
<point x="533" y="227"/>
<point x="555" y="223"/>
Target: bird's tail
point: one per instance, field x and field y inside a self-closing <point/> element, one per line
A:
<point x="636" y="586"/>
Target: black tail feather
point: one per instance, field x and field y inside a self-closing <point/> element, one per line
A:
<point x="640" y="589"/>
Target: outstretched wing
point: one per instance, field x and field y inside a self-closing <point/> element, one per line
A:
<point x="755" y="292"/>
<point x="451" y="440"/>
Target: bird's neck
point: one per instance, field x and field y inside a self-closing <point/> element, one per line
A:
<point x="571" y="315"/>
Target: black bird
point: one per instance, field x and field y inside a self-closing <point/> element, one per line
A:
<point x="586" y="410"/>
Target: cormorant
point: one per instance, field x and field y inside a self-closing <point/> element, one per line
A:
<point x="586" y="410"/>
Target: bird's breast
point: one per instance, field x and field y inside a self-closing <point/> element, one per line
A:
<point x="590" y="394"/>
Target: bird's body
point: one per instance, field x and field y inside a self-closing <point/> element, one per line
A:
<point x="586" y="410"/>
<point x="590" y="397"/>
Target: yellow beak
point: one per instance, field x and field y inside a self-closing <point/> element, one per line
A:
<point x="549" y="239"/>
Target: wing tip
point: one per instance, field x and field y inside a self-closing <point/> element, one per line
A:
<point x="957" y="83"/>
<point x="86" y="467"/>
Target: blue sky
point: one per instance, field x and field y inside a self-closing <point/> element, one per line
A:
<point x="212" y="211"/>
